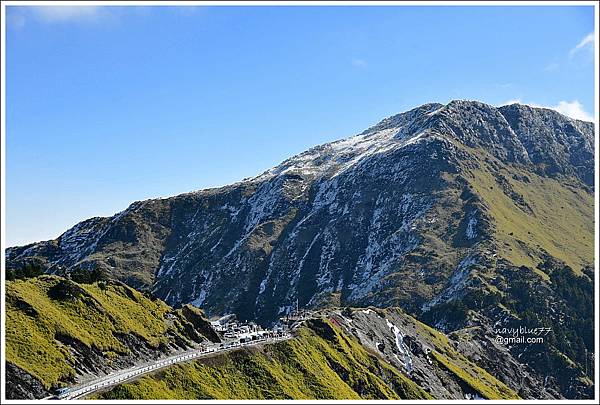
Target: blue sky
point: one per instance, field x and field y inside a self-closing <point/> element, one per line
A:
<point x="109" y="105"/>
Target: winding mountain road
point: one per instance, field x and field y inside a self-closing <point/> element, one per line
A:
<point x="120" y="376"/>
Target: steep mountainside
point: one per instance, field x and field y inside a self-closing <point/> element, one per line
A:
<point x="58" y="330"/>
<point x="382" y="218"/>
<point x="334" y="356"/>
<point x="459" y="213"/>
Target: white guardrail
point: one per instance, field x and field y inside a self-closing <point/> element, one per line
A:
<point x="120" y="376"/>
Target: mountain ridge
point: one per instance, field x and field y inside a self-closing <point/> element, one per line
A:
<point x="383" y="124"/>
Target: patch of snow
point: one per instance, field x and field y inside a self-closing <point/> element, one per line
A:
<point x="336" y="157"/>
<point x="387" y="245"/>
<point x="200" y="300"/>
<point x="346" y="319"/>
<point x="262" y="203"/>
<point x="326" y="195"/>
<point x="301" y="264"/>
<point x="329" y="246"/>
<point x="181" y="254"/>
<point x="471" y="231"/>
<point x="404" y="350"/>
<point x="434" y="112"/>
<point x="232" y="210"/>
<point x="263" y="286"/>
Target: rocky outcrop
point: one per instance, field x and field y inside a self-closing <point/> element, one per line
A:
<point x="199" y="324"/>
<point x="22" y="385"/>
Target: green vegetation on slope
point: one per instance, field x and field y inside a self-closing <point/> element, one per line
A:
<point x="560" y="222"/>
<point x="567" y="349"/>
<point x="43" y="313"/>
<point x="321" y="363"/>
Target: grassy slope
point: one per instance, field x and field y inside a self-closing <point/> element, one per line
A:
<point x="91" y="319"/>
<point x="561" y="223"/>
<point x="321" y="363"/>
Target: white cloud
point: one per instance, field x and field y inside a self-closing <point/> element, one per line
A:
<point x="585" y="43"/>
<point x="17" y="16"/>
<point x="573" y="109"/>
<point x="66" y="13"/>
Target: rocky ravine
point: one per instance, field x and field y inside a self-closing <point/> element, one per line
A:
<point x="417" y="211"/>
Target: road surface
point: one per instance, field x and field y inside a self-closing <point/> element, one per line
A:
<point x="120" y="376"/>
